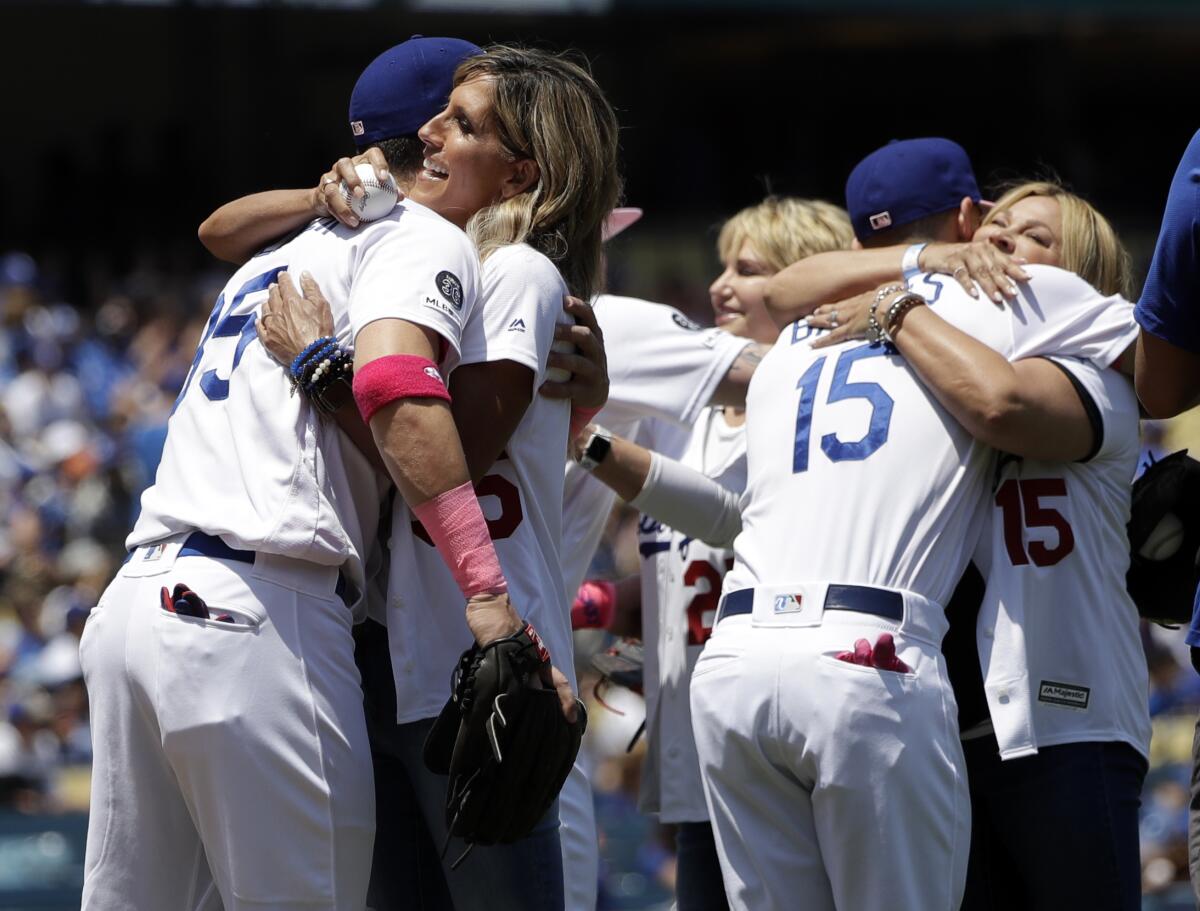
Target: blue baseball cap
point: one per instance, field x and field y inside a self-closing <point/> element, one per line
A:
<point x="906" y="180"/>
<point x="404" y="87"/>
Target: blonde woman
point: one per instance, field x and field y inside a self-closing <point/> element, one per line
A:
<point x="681" y="576"/>
<point x="1057" y="732"/>
<point x="535" y="213"/>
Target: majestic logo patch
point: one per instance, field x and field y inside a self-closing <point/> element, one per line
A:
<point x="517" y="325"/>
<point x="881" y="220"/>
<point x="684" y="323"/>
<point x="788" y="604"/>
<point x="356" y="127"/>
<point x="1064" y="694"/>
<point x="450" y="288"/>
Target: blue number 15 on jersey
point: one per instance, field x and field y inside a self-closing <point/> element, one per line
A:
<point x="226" y="323"/>
<point x="841" y="390"/>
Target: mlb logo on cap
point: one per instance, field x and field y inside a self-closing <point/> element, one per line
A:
<point x="357" y="128"/>
<point x="881" y="220"/>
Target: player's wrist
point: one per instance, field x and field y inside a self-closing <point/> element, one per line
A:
<point x="491" y="617"/>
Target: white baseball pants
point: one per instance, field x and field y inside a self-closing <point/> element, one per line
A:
<point x="831" y="785"/>
<point x="231" y="761"/>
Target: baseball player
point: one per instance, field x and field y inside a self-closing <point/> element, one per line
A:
<point x="681" y="575"/>
<point x="824" y="721"/>
<point x="1057" y="752"/>
<point x="225" y="700"/>
<point x="509" y="436"/>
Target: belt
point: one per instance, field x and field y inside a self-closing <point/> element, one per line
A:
<point x="199" y="544"/>
<point x="861" y="598"/>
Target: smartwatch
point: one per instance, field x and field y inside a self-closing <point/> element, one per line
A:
<point x="596" y="450"/>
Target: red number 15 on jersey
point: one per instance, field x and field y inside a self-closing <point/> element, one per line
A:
<point x="1021" y="504"/>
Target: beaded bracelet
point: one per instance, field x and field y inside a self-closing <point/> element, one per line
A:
<point x="321" y="365"/>
<point x="898" y="307"/>
<point x="298" y="363"/>
<point x="875" y="333"/>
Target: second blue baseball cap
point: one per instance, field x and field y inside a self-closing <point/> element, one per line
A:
<point x="404" y="87"/>
<point x="907" y="180"/>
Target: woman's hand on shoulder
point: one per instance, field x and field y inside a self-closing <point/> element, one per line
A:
<point x="977" y="263"/>
<point x="327" y="199"/>
<point x="291" y="319"/>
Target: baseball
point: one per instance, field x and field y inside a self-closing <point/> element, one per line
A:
<point x="380" y="198"/>
<point x="1165" y="540"/>
<point x="560" y="374"/>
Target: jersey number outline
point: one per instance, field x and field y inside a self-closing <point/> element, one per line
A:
<point x="1021" y="508"/>
<point x="841" y="390"/>
<point x="242" y="325"/>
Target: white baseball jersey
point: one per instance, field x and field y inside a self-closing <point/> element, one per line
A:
<point x="1058" y="633"/>
<point x="521" y="497"/>
<point x="681" y="584"/>
<point x="660" y="365"/>
<point x="857" y="475"/>
<point x="249" y="461"/>
<point x="902" y="496"/>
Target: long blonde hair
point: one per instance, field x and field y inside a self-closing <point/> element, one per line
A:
<point x="1090" y="246"/>
<point x="785" y="230"/>
<point x="551" y="110"/>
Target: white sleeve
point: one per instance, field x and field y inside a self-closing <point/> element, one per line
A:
<point x="1059" y="313"/>
<point x="520" y="303"/>
<point x="690" y="502"/>
<point x="417" y="270"/>
<point x="660" y="363"/>
<point x="1110" y="402"/>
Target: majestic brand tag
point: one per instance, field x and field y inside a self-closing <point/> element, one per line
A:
<point x="1065" y="694"/>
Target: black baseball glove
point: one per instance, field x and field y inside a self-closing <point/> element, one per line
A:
<point x="503" y="741"/>
<point x="1164" y="539"/>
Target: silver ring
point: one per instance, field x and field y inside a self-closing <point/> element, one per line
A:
<point x="833" y="319"/>
<point x="959" y="269"/>
<point x="264" y="317"/>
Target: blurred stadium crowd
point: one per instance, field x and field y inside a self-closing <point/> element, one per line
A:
<point x="86" y="388"/>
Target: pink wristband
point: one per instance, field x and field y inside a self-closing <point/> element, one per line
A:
<point x="396" y="376"/>
<point x="580" y="418"/>
<point x="456" y="525"/>
<point x="594" y="605"/>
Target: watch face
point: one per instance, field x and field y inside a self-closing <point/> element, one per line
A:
<point x="597" y="448"/>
